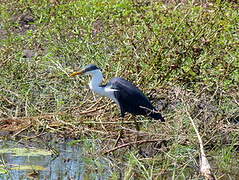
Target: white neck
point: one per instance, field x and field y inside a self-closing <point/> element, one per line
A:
<point x="97" y="78"/>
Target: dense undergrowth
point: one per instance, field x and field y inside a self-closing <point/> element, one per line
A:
<point x="184" y="56"/>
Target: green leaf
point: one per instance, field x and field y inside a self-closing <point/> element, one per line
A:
<point x="26" y="152"/>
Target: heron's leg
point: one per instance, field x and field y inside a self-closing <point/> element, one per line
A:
<point x="122" y="114"/>
<point x="119" y="137"/>
<point x="120" y="133"/>
<point x="136" y="123"/>
<point x="137" y="138"/>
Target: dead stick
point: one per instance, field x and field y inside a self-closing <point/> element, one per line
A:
<point x="205" y="167"/>
<point x="132" y="143"/>
<point x="111" y="122"/>
<point x="93" y="110"/>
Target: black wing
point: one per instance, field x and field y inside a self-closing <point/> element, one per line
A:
<point x="130" y="98"/>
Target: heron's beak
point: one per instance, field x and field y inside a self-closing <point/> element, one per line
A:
<point x="77" y="73"/>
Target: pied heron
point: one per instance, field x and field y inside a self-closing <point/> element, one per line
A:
<point x="124" y="93"/>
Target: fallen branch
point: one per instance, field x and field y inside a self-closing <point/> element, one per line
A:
<point x="113" y="122"/>
<point x="130" y="144"/>
<point x="92" y="110"/>
<point x="205" y="168"/>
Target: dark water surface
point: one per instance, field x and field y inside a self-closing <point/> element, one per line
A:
<point x="76" y="161"/>
<point x="69" y="164"/>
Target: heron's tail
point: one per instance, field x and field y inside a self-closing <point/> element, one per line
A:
<point x="157" y="116"/>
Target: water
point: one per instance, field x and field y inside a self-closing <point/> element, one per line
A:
<point x="23" y="161"/>
<point x="69" y="164"/>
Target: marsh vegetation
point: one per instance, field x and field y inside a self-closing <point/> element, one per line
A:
<point x="184" y="56"/>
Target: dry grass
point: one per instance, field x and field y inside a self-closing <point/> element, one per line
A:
<point x="183" y="57"/>
<point x="101" y="117"/>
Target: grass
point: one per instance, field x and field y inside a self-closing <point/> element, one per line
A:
<point x="184" y="56"/>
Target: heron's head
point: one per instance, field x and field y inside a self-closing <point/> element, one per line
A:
<point x="90" y="69"/>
